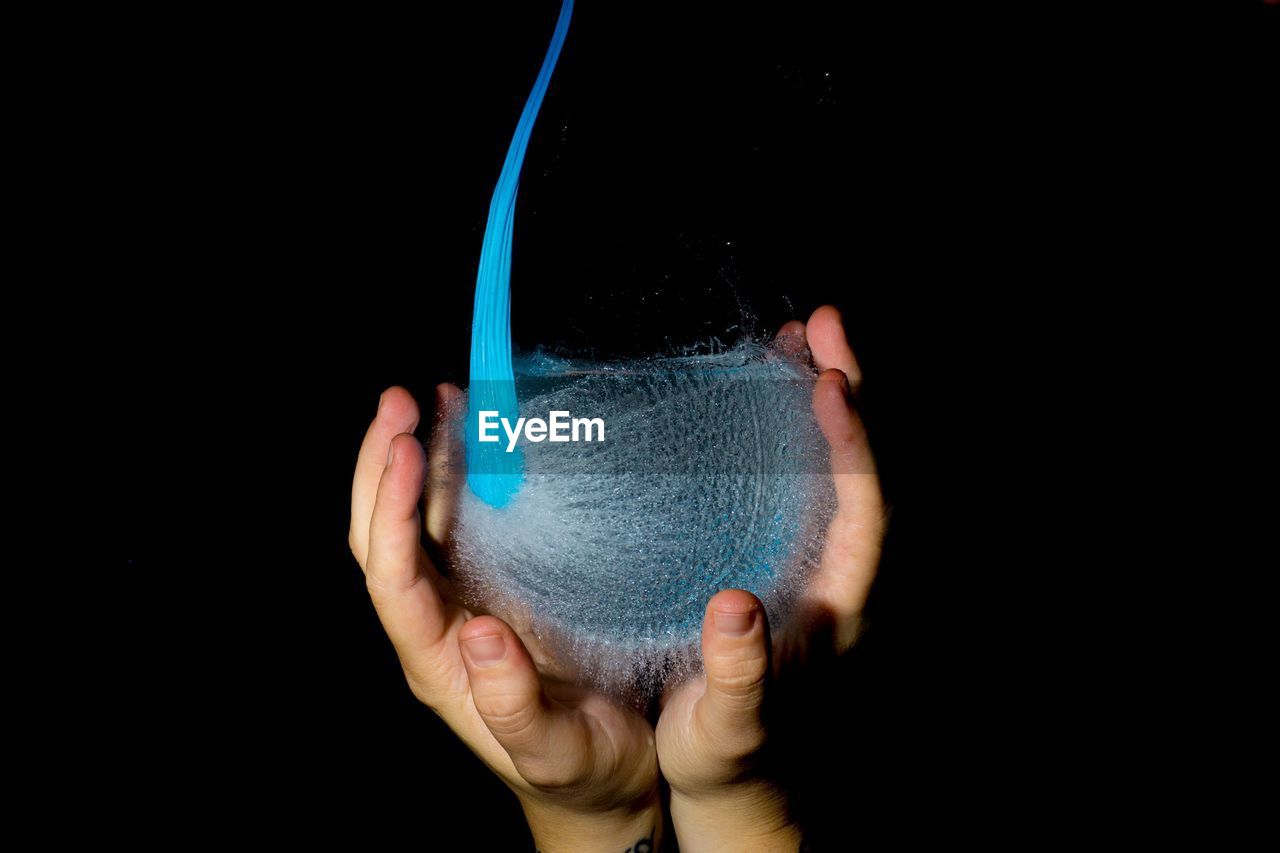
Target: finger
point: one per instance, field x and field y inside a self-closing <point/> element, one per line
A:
<point x="830" y="348"/>
<point x="735" y="654"/>
<point x="790" y="341"/>
<point x="399" y="576"/>
<point x="854" y="538"/>
<point x="550" y="745"/>
<point x="397" y="413"/>
<point x="791" y="328"/>
<point x="444" y="474"/>
<point x="846" y="437"/>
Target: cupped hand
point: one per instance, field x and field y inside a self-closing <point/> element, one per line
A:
<point x="584" y="769"/>
<point x="712" y="738"/>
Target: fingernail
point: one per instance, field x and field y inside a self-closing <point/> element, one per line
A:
<point x="391" y="454"/>
<point x="486" y="651"/>
<point x="382" y="398"/>
<point x="734" y="624"/>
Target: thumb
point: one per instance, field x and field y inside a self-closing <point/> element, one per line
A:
<point x="549" y="744"/>
<point x="735" y="654"/>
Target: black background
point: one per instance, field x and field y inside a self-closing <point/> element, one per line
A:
<point x="285" y="214"/>
<point x="246" y="223"/>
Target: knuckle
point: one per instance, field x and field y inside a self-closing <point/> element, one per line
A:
<point x="386" y="581"/>
<point x="741" y="677"/>
<point x="508" y="717"/>
<point x="377" y="588"/>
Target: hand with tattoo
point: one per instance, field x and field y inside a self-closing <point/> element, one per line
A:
<point x="713" y="745"/>
<point x="584" y="769"/>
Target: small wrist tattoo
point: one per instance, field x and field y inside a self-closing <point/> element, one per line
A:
<point x="644" y="845"/>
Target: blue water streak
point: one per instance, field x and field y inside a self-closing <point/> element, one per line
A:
<point x="492" y="473"/>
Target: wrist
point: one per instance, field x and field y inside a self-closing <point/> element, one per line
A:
<point x="754" y="814"/>
<point x="559" y="828"/>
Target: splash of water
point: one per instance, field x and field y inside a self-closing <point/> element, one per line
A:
<point x="713" y="475"/>
<point x="493" y="474"/>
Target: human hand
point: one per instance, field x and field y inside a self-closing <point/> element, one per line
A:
<point x="584" y="769"/>
<point x="711" y="735"/>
